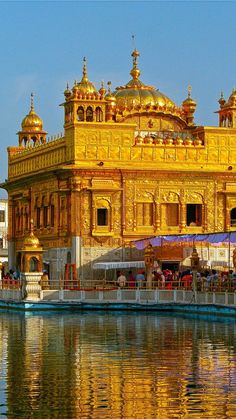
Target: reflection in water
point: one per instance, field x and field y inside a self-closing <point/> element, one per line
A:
<point x="117" y="365"/>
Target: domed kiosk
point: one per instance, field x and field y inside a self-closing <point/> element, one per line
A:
<point x="30" y="261"/>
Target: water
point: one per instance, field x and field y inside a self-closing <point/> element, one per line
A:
<point x="114" y="365"/>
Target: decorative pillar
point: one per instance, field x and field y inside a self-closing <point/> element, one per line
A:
<point x="149" y="263"/>
<point x="182" y="216"/>
<point x="157" y="216"/>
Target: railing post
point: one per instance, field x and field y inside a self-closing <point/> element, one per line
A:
<point x="119" y="294"/>
<point x="214" y="297"/>
<point x="61" y="295"/>
<point x="156" y="295"/>
<point x="175" y="296"/>
<point x="226" y="298"/>
<point x="100" y="295"/>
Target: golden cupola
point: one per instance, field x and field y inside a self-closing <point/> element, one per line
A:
<point x="32" y="132"/>
<point x="189" y="106"/>
<point x="85" y="86"/>
<point x="136" y="94"/>
<point x="32" y="122"/>
<point x="232" y="98"/>
<point x="227" y="111"/>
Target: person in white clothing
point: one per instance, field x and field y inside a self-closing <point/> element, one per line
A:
<point x="121" y="280"/>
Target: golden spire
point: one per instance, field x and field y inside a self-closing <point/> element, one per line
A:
<point x="189" y="90"/>
<point x="32" y="102"/>
<point x="135" y="72"/>
<point x="85" y="86"/>
<point x="84" y="78"/>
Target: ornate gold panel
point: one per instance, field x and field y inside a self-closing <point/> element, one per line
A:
<point x="213" y="155"/>
<point x="91" y="152"/>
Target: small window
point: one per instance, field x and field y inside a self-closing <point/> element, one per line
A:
<point x="2" y="216"/>
<point x="45" y="216"/>
<point x="102" y="217"/>
<point x="194" y="215"/>
<point x="38" y="217"/>
<point x="89" y="114"/>
<point x="98" y="114"/>
<point x="52" y="216"/>
<point x="80" y="113"/>
<point x="233" y="217"/>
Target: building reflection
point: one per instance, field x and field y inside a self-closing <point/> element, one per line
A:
<point x="116" y="365"/>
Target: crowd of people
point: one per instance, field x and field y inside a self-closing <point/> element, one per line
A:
<point x="208" y="280"/>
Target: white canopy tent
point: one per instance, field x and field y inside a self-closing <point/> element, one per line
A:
<point x="119" y="265"/>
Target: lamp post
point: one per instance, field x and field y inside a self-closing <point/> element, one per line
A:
<point x="195" y="266"/>
<point x="149" y="263"/>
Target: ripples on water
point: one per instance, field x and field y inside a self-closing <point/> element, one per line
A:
<point x="117" y="365"/>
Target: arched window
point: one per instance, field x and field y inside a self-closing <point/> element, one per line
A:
<point x="52" y="211"/>
<point x="45" y="212"/>
<point x="89" y="114"/>
<point x="80" y="113"/>
<point x="233" y="217"/>
<point x="99" y="115"/>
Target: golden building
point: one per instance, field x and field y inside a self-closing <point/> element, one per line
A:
<point x="130" y="164"/>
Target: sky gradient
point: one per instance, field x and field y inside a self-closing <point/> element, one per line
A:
<point x="43" y="44"/>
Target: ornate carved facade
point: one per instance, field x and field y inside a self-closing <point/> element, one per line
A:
<point x="129" y="165"/>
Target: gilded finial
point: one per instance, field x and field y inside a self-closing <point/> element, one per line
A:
<point x="84" y="70"/>
<point x="133" y="42"/>
<point x="32" y="102"/>
<point x="221" y="101"/>
<point x="189" y="90"/>
<point x="31" y="226"/>
<point x="135" y="72"/>
<point x="109" y="87"/>
<point x="102" y="90"/>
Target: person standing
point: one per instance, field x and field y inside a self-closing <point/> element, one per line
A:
<point x="140" y="279"/>
<point x="131" y="280"/>
<point x="121" y="280"/>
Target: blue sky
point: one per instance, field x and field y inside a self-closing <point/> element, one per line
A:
<point x="43" y="44"/>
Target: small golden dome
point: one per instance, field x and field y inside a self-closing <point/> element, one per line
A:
<point x="110" y="97"/>
<point x="102" y="89"/>
<point x="189" y="104"/>
<point x="67" y="92"/>
<point x="135" y="93"/>
<point x="32" y="122"/>
<point x="85" y="86"/>
<point x="31" y="241"/>
<point x="222" y="100"/>
<point x="232" y="98"/>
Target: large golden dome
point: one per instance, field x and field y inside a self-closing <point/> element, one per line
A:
<point x="135" y="93"/>
<point x="32" y="122"/>
<point x="85" y="86"/>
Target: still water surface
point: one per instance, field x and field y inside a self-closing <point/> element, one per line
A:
<point x="114" y="365"/>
